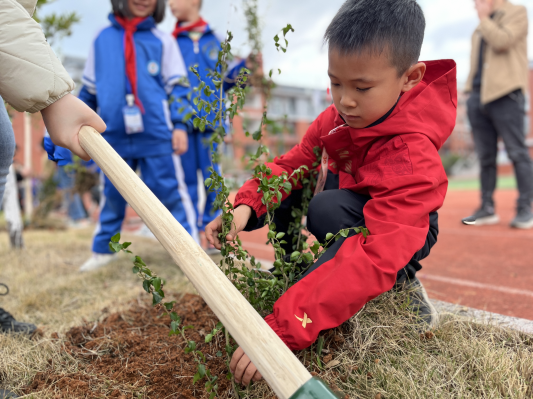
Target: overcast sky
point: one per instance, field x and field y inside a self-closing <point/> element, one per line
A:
<point x="449" y="27"/>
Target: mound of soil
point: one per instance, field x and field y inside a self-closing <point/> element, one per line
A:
<point x="131" y="355"/>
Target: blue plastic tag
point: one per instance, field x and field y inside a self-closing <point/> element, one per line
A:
<point x="133" y="119"/>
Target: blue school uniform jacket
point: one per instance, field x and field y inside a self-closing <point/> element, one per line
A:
<point x="204" y="54"/>
<point x="161" y="76"/>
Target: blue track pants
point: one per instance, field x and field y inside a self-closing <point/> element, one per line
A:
<point x="198" y="157"/>
<point x="165" y="178"/>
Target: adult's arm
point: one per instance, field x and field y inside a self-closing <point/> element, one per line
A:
<point x="502" y="36"/>
<point x="31" y="76"/>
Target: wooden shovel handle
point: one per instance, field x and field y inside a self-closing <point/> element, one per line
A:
<point x="280" y="368"/>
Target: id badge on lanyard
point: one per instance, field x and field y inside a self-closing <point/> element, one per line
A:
<point x="133" y="119"/>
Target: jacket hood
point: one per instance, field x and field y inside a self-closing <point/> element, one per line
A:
<point x="430" y="109"/>
<point x="147" y="24"/>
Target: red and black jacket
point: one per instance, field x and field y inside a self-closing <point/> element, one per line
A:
<point x="398" y="165"/>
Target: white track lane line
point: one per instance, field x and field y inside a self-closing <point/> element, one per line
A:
<point x="474" y="284"/>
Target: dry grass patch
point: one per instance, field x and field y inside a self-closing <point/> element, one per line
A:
<point x="378" y="354"/>
<point x="47" y="289"/>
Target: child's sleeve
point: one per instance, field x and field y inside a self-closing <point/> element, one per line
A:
<point x="299" y="155"/>
<point x="58" y="154"/>
<point x="234" y="69"/>
<point x="397" y="217"/>
<point x="88" y="90"/>
<point x="174" y="76"/>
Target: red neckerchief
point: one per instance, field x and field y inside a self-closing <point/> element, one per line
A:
<point x="130" y="27"/>
<point x="179" y="29"/>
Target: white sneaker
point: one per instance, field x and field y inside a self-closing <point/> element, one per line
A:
<point x="144" y="231"/>
<point x="79" y="224"/>
<point x="97" y="261"/>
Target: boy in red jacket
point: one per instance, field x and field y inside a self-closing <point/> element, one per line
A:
<point x="380" y="168"/>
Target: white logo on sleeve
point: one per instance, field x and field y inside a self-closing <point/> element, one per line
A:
<point x="153" y="68"/>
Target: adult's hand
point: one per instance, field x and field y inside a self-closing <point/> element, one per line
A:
<point x="484" y="8"/>
<point x="64" y="119"/>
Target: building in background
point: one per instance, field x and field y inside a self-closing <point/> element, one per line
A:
<point x="292" y="109"/>
<point x="290" y="112"/>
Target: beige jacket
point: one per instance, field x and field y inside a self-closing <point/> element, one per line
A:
<point x="505" y="66"/>
<point x="31" y="76"/>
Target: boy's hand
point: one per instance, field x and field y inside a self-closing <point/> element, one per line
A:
<point x="241" y="215"/>
<point x="243" y="369"/>
<point x="484" y="8"/>
<point x="64" y="119"/>
<point x="180" y="141"/>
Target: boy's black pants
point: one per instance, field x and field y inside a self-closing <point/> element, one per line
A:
<point x="335" y="209"/>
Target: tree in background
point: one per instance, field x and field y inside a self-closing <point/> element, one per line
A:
<point x="55" y="26"/>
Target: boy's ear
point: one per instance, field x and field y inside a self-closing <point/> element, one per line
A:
<point x="413" y="76"/>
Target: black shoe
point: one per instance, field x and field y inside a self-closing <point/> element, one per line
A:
<point x="419" y="302"/>
<point x="9" y="324"/>
<point x="523" y="220"/>
<point x="483" y="216"/>
<point x="4" y="394"/>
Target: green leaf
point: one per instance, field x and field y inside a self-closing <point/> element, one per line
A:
<point x="344" y="233"/>
<point x="126" y="245"/>
<point x="115" y="238"/>
<point x="208" y="338"/>
<point x="208" y="182"/>
<point x="174" y="326"/>
<point x="295" y="256"/>
<point x="156" y="282"/>
<point x="257" y="135"/>
<point x="174" y="316"/>
<point x="115" y="247"/>
<point x="320" y="345"/>
<point x="280" y="236"/>
<point x="156" y="298"/>
<point x="136" y="269"/>
<point x="329" y="236"/>
<point x="169" y="305"/>
<point x="196" y="378"/>
<point x="201" y="370"/>
<point x="219" y="354"/>
<point x="146" y="285"/>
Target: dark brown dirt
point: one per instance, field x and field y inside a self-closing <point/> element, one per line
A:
<point x="130" y="355"/>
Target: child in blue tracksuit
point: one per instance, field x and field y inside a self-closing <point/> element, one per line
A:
<point x="199" y="46"/>
<point x="132" y="71"/>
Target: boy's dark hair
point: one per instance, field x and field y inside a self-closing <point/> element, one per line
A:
<point x="396" y="26"/>
<point x="121" y="8"/>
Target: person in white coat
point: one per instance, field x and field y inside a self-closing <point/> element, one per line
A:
<point x="32" y="79"/>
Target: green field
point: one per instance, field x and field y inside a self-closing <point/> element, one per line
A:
<point x="504" y="182"/>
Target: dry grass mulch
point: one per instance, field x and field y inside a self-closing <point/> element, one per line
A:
<point x="379" y="353"/>
<point x="126" y="352"/>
